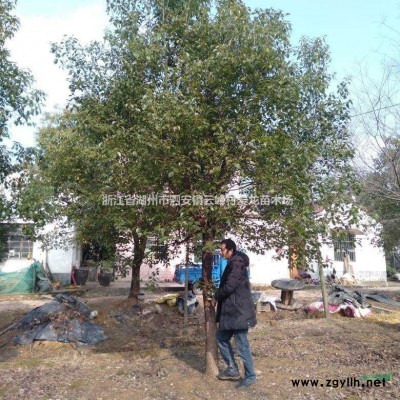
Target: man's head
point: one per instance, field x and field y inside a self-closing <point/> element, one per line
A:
<point x="228" y="247"/>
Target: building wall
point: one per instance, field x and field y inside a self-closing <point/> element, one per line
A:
<point x="264" y="268"/>
<point x="58" y="261"/>
<point x="370" y="264"/>
<point x="14" y="265"/>
<point x="165" y="270"/>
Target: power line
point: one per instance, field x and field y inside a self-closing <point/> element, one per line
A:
<point x="371" y="111"/>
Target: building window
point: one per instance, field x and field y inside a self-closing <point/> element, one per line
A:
<point x="343" y="245"/>
<point x="14" y="244"/>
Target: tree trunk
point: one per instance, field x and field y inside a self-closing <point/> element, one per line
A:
<point x="139" y="246"/>
<point x="211" y="349"/>
<point x="135" y="283"/>
<point x="293" y="270"/>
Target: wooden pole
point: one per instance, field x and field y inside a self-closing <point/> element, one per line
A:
<point x="323" y="289"/>
<point x="185" y="306"/>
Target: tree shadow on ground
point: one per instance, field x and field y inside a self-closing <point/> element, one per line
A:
<point x="153" y="334"/>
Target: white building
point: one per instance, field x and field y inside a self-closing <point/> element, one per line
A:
<point x="366" y="259"/>
<point x="19" y="252"/>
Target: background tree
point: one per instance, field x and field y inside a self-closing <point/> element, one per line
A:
<point x="80" y="180"/>
<point x="194" y="98"/>
<point x="18" y="101"/>
<point x="376" y="124"/>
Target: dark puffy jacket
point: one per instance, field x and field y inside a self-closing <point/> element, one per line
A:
<point x="235" y="309"/>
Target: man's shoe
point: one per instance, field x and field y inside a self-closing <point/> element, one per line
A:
<point x="229" y="375"/>
<point x="244" y="383"/>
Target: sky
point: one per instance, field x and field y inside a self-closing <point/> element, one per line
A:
<point x="353" y="29"/>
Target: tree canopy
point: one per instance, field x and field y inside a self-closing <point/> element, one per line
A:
<point x="194" y="98"/>
<point x="18" y="101"/>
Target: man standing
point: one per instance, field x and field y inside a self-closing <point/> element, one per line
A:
<point x="235" y="314"/>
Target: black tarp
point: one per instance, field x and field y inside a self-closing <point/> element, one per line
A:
<point x="64" y="319"/>
<point x="383" y="298"/>
<point x="339" y="295"/>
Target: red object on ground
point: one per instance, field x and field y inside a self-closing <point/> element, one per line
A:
<point x="73" y="275"/>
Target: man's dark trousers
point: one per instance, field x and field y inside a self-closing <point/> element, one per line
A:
<point x="242" y="347"/>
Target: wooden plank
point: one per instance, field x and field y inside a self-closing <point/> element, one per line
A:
<point x="382" y="309"/>
<point x="70" y="290"/>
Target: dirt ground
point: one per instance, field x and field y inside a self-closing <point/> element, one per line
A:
<point x="150" y="356"/>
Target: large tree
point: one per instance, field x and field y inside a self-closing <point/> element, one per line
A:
<point x="18" y="101"/>
<point x="192" y="98"/>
